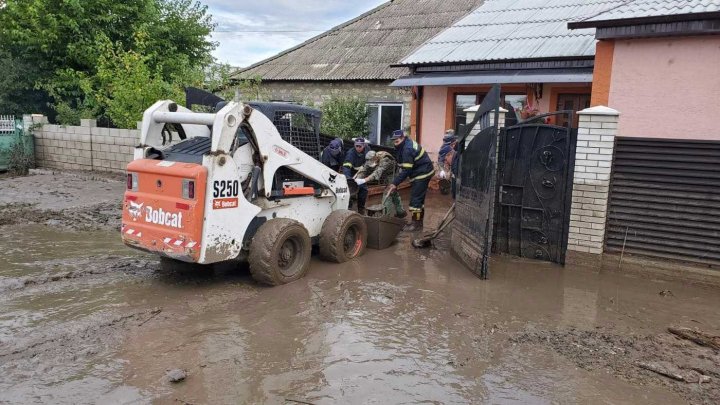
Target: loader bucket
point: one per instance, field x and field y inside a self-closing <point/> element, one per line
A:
<point x="382" y="231"/>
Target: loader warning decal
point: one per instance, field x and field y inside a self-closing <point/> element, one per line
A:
<point x="280" y="151"/>
<point x="224" y="203"/>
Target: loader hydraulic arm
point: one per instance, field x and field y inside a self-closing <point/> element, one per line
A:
<point x="275" y="152"/>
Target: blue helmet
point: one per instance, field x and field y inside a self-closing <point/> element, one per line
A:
<point x="398" y="134"/>
<point x="336" y="146"/>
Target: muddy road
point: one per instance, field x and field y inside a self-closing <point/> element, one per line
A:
<point x="85" y="320"/>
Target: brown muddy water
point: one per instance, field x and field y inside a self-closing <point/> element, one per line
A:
<point x="85" y="320"/>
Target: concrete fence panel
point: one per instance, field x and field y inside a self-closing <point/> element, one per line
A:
<point x="84" y="147"/>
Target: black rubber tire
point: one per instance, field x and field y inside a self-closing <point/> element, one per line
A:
<point x="266" y="252"/>
<point x="336" y="229"/>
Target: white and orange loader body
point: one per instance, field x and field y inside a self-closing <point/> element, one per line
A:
<point x="225" y="204"/>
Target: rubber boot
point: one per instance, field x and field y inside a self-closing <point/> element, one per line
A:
<point x="416" y="221"/>
<point x="400" y="213"/>
<point x="361" y="209"/>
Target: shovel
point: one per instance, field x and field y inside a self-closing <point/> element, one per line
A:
<point x="426" y="241"/>
<point x="379" y="207"/>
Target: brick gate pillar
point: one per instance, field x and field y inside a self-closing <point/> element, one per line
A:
<point x="591" y="183"/>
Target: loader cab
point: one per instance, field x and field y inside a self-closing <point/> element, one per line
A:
<point x="298" y="125"/>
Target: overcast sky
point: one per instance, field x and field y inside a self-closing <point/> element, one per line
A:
<point x="251" y="30"/>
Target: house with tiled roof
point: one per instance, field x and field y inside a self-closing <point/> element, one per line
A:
<point x="355" y="58"/>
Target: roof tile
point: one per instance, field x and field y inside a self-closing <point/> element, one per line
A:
<point x="364" y="48"/>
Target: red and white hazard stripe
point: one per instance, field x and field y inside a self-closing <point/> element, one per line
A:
<point x="133" y="232"/>
<point x="179" y="243"/>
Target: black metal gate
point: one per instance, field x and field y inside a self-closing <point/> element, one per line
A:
<point x="475" y="200"/>
<point x="535" y="172"/>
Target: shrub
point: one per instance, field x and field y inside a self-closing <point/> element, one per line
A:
<point x="345" y="117"/>
<point x="21" y="157"/>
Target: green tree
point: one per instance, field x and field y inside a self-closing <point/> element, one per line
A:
<point x="217" y="77"/>
<point x="17" y="87"/>
<point x="72" y="45"/>
<point x="345" y="117"/>
<point x="128" y="85"/>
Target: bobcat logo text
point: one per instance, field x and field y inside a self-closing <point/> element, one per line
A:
<point x="160" y="217"/>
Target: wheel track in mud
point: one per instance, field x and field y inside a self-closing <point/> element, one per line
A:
<point x="102" y="216"/>
<point x="59" y="336"/>
<point x="100" y="266"/>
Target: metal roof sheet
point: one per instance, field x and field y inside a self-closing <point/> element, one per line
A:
<point x="656" y="8"/>
<point x="514" y="30"/>
<point x="365" y="47"/>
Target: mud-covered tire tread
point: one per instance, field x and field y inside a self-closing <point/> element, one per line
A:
<point x="262" y="258"/>
<point x="332" y="235"/>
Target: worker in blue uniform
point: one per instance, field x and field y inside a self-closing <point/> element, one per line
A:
<point x="416" y="165"/>
<point x="354" y="161"/>
<point x="445" y="157"/>
<point x="332" y="155"/>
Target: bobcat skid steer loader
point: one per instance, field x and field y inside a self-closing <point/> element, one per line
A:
<point x="207" y="188"/>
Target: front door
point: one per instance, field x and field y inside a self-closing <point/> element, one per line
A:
<point x="535" y="172"/>
<point x="571" y="102"/>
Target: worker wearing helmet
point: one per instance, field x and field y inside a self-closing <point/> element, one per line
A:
<point x="416" y="165"/>
<point x="380" y="166"/>
<point x="332" y="155"/>
<point x="354" y="161"/>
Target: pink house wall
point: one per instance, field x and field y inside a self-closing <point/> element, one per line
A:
<point x="435" y="104"/>
<point x="432" y="127"/>
<point x="667" y="88"/>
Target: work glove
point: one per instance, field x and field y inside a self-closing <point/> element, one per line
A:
<point x="360" y="182"/>
<point x="443" y="175"/>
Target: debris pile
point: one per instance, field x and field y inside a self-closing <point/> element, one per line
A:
<point x="687" y="360"/>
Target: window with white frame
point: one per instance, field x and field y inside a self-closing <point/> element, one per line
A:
<point x="383" y="119"/>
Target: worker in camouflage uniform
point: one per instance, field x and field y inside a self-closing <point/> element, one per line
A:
<point x="380" y="167"/>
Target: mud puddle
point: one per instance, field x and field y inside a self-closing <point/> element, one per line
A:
<point x="394" y="328"/>
<point x="85" y="320"/>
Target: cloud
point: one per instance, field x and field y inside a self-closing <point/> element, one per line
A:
<point x="250" y="31"/>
